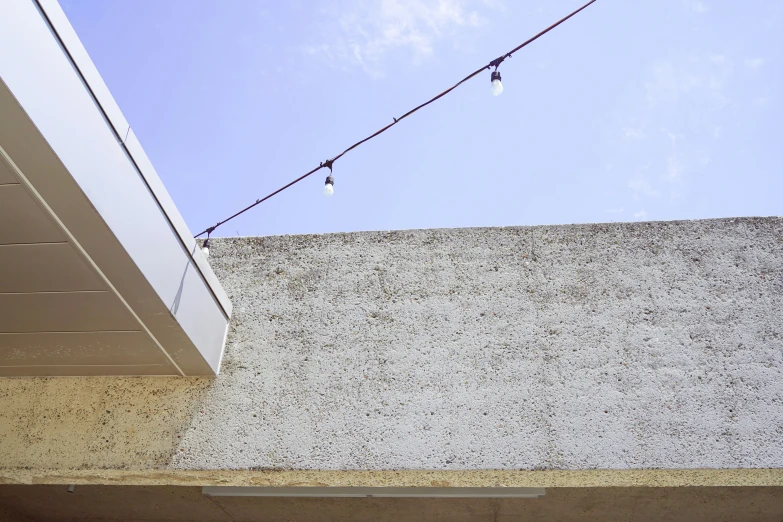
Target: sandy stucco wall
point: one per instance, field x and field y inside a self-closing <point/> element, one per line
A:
<point x="614" y="346"/>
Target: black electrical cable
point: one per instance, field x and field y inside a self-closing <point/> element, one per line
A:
<point x="328" y="163"/>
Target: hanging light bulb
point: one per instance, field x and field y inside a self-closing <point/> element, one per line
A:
<point x="205" y="248"/>
<point x="497" y="87"/>
<point x="329" y="186"/>
<point x="329" y="183"/>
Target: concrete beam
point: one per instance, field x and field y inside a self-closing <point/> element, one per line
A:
<point x="166" y="503"/>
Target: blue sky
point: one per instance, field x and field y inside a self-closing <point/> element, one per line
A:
<point x="631" y="111"/>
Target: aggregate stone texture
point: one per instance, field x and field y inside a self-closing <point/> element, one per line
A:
<point x="606" y="346"/>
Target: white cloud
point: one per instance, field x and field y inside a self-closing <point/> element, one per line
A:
<point x="494" y="4"/>
<point x="642" y="187"/>
<point x="631" y="133"/>
<point x="663" y="84"/>
<point x="362" y="33"/>
<point x="754" y="63"/>
<point x="673" y="136"/>
<point x="701" y="79"/>
<point x="673" y="176"/>
<point x="696" y="6"/>
<point x="641" y="214"/>
<point x="674" y="170"/>
<point x="615" y="210"/>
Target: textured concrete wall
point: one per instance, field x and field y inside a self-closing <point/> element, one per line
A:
<point x="614" y="346"/>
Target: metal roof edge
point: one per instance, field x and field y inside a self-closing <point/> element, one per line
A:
<point x="86" y="69"/>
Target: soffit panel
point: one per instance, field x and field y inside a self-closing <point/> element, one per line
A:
<point x="45" y="267"/>
<point x="79" y="348"/>
<point x="44" y="170"/>
<point x="23" y="220"/>
<point x="6" y="178"/>
<point x="127" y="370"/>
<point x="64" y="312"/>
<point x="59" y="142"/>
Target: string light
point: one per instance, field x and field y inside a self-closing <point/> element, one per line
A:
<point x="329" y="183"/>
<point x="497" y="88"/>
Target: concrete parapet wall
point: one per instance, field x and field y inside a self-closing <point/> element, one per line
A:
<point x="584" y="347"/>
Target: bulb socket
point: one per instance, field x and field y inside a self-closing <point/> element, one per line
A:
<point x="329" y="180"/>
<point x="495" y="76"/>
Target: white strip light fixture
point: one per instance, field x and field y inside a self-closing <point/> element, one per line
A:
<point x="354" y="492"/>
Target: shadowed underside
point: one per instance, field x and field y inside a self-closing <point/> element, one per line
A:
<point x="104" y="503"/>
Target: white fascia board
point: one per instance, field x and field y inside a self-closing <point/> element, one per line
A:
<point x="78" y="54"/>
<point x="38" y="54"/>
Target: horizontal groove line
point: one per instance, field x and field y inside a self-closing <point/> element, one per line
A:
<point x="80" y="376"/>
<point x="57" y="292"/>
<point x="34" y="244"/>
<point x="12" y="184"/>
<point x="70" y="332"/>
<point x="83" y="365"/>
